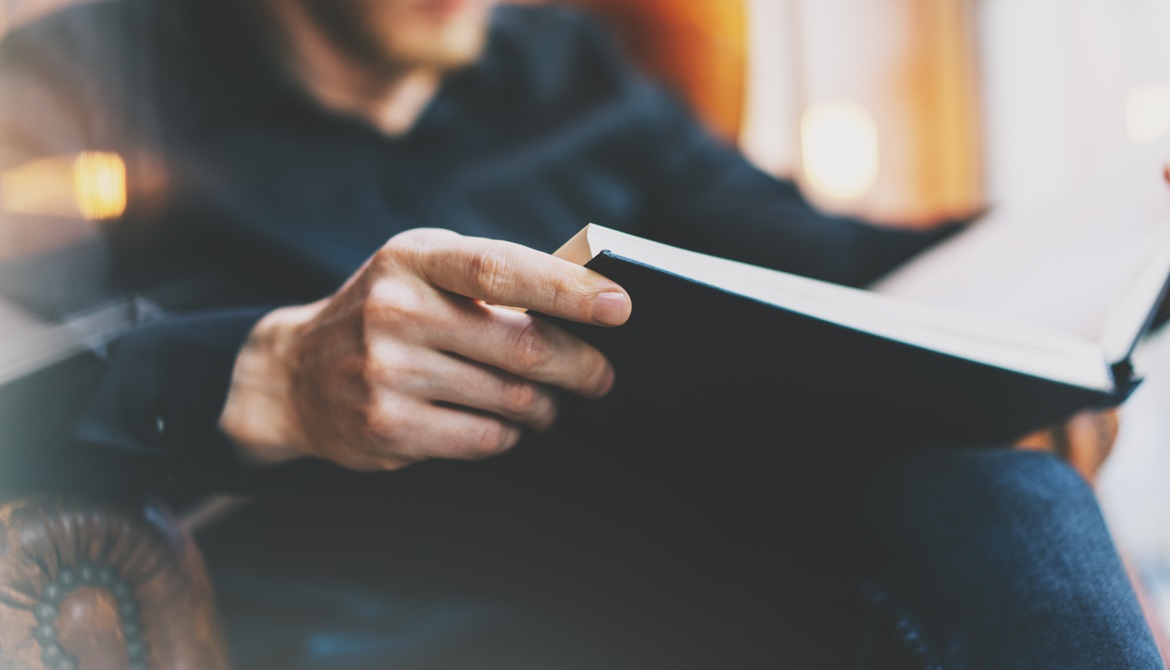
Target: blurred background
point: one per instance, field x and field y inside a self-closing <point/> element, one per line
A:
<point x="903" y="111"/>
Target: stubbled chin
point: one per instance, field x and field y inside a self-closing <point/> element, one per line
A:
<point x="450" y="9"/>
<point x="448" y="48"/>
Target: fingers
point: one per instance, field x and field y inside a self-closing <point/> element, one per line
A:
<point x="509" y="274"/>
<point x="528" y="347"/>
<point x="460" y="382"/>
<point x="453" y="374"/>
<point x="1166" y="174"/>
<point x="433" y="431"/>
<point x="521" y="344"/>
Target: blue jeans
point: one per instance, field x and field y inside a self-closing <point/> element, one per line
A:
<point x="999" y="559"/>
<point x="964" y="559"/>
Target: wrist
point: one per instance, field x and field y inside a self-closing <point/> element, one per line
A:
<point x="259" y="415"/>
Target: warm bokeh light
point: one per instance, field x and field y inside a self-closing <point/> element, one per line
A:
<point x="90" y="185"/>
<point x="99" y="180"/>
<point x="839" y="149"/>
<point x="43" y="187"/>
<point x="1147" y="113"/>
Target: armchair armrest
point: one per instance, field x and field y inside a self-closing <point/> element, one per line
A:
<point x="109" y="585"/>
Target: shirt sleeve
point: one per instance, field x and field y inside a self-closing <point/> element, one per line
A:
<point x="143" y="409"/>
<point x="161" y="395"/>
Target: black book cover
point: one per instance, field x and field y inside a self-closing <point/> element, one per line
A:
<point x="696" y="360"/>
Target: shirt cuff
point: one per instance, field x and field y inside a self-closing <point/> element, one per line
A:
<point x="162" y="395"/>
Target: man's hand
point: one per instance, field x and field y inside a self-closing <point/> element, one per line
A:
<point x="411" y="359"/>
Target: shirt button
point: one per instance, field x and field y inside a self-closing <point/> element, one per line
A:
<point x="156" y="428"/>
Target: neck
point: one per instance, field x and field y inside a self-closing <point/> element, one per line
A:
<point x="390" y="99"/>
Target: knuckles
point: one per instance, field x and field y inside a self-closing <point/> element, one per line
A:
<point x="390" y="306"/>
<point x="395" y="253"/>
<point x="381" y="424"/>
<point x="382" y="362"/>
<point x="488" y="271"/>
<point x="565" y="294"/>
<point x="391" y="303"/>
<point x="599" y="377"/>
<point x="530" y="349"/>
<point x="520" y="398"/>
<point x="407" y="246"/>
<point x="494" y="438"/>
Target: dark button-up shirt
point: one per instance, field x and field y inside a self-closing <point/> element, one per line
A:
<point x="233" y="168"/>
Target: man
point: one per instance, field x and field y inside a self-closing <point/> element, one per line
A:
<point x="360" y="162"/>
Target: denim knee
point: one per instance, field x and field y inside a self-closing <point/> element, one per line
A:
<point x="1005" y="558"/>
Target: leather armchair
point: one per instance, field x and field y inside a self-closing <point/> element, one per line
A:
<point x="101" y="585"/>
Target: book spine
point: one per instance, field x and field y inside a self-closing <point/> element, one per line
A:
<point x="1125" y="381"/>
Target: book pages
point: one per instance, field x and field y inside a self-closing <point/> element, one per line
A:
<point x="1068" y="261"/>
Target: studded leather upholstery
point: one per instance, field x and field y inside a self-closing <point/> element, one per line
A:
<point x="97" y="585"/>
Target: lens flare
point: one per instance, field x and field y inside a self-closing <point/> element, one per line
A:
<point x="839" y="149"/>
<point x="90" y="185"/>
<point x="99" y="183"/>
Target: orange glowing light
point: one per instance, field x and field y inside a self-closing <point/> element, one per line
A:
<point x="99" y="183"/>
<point x="90" y="185"/>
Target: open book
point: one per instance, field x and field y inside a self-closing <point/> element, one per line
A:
<point x="1025" y="318"/>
